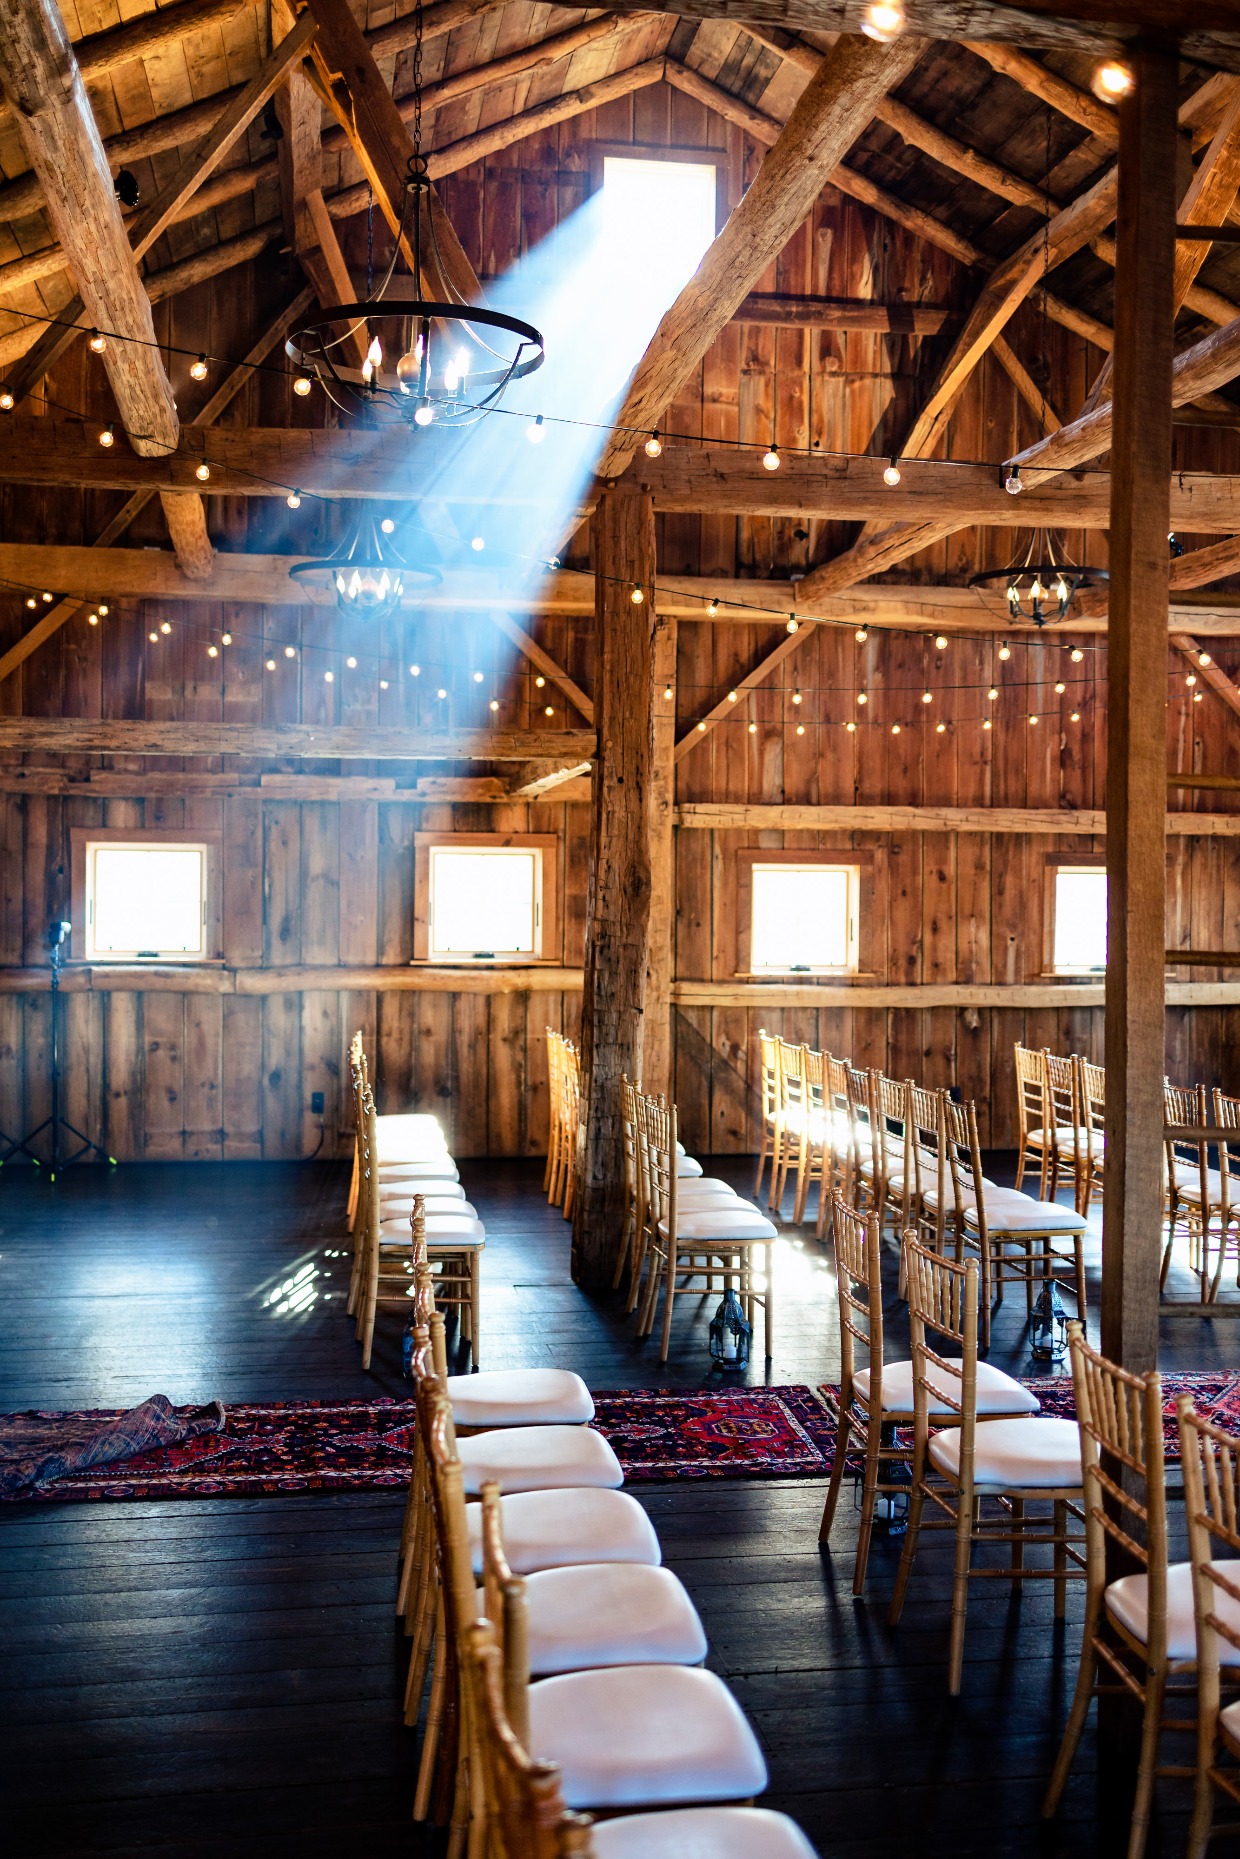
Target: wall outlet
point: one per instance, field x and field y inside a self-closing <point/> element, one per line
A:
<point x="316" y="1103"/>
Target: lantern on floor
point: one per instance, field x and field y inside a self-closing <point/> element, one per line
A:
<point x="731" y="1333"/>
<point x="891" y="1499"/>
<point x="1048" y="1336"/>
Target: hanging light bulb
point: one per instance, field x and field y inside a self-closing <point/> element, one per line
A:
<point x="800" y="729"/>
<point x="47" y="598"/>
<point x="290" y="651"/>
<point x="1013" y="484"/>
<point x="6" y="401"/>
<point x="165" y="627"/>
<point x="1191" y="679"/>
<point x="409" y="367"/>
<point x="423" y="414"/>
<point x="103" y="609"/>
<point x="883" y="21"/>
<point x="770" y="458"/>
<point x="940" y="729"/>
<point x="927" y="697"/>
<point x="154" y="638"/>
<point x="654" y="445"/>
<point x="97" y="343"/>
<point x="198" y="369"/>
<point x="637" y="596"/>
<point x="712" y="608"/>
<point x="202" y="472"/>
<point x="225" y="638"/>
<point x="1197" y="696"/>
<point x="387" y="526"/>
<point x="293" y="500"/>
<point x="895" y="729"/>
<point x="992" y="694"/>
<point x="383" y="684"/>
<point x="1060" y="688"/>
<point x="1076" y="655"/>
<point x="1005" y="651"/>
<point x="329" y="677"/>
<point x="851" y="728"/>
<point x="794" y="625"/>
<point x="796" y="697"/>
<point x="351" y="662"/>
<point x="1033" y="720"/>
<point x="495" y="703"/>
<point x="271" y="664"/>
<point x="892" y="474"/>
<point x="31" y="602"/>
<point x="940" y="642"/>
<point x="733" y="696"/>
<point x="1112" y="80"/>
<point x="539" y="682"/>
<point x="302" y="385"/>
<point x="987" y="724"/>
<point x="92" y="619"/>
<point x="477" y="545"/>
<point x="753" y="729"/>
<point x="108" y="436"/>
<point x="415" y="671"/>
<point x="1203" y="658"/>
<point x="537" y="432"/>
<point x="213" y="651"/>
<point x="861" y="635"/>
<point x="862" y="697"/>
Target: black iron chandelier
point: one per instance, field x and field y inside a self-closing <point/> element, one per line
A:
<point x="1041" y="585"/>
<point x="368" y="572"/>
<point x="426" y="360"/>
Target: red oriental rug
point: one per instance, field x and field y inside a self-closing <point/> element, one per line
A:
<point x="658" y="1434"/>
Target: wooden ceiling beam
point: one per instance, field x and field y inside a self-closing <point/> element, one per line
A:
<point x="362" y="103"/>
<point x="535" y="780"/>
<point x="327" y="741"/>
<point x="40" y="76"/>
<point x="1079" y="106"/>
<point x="237" y="379"/>
<point x="832" y="111"/>
<point x="774" y="310"/>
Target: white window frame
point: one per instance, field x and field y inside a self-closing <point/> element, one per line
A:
<point x="87" y="843"/>
<point x="716" y="158"/>
<point x="1074" y="867"/>
<point x="791" y="862"/>
<point x="544" y="849"/>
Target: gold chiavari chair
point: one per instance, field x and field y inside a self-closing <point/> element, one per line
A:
<point x="570" y="1097"/>
<point x="875" y="1400"/>
<point x="1067" y="1136"/>
<point x="527" y="1818"/>
<point x="711" y="1241"/>
<point x="411" y="1150"/>
<point x="841" y="1134"/>
<point x="815" y="1166"/>
<point x="768" y="1091"/>
<point x="870" y="1156"/>
<point x="694" y="1193"/>
<point x="794" y="1110"/>
<point x="1036" y="1124"/>
<point x="555" y="1113"/>
<point x="1211" y="1464"/>
<point x="966" y="1469"/>
<point x="1187" y="1179"/>
<point x="1227" y="1143"/>
<point x="894" y="1117"/>
<point x="1091" y="1100"/>
<point x="1014" y="1235"/>
<point x="1133" y="1634"/>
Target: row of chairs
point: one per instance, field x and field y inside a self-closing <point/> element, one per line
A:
<point x="564" y="1662"/>
<point x="1061" y="1122"/>
<point x="913" y="1157"/>
<point x="564" y="1119"/>
<point x="991" y="1470"/>
<point x="682" y="1227"/>
<point x="398" y="1158"/>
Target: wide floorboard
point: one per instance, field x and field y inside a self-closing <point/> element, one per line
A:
<point x="218" y="1677"/>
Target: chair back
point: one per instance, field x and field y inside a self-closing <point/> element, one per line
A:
<point x="894" y="1118"/>
<point x="1032" y="1107"/>
<point x="768" y="1075"/>
<point x="942" y="1305"/>
<point x="1188" y="1156"/>
<point x="860" y="1297"/>
<point x="1061" y="1092"/>
<point x="928" y="1153"/>
<point x="841" y="1133"/>
<point x="504" y="1604"/>
<point x="525" y="1812"/>
<point x="864" y="1119"/>
<point x="1210" y="1460"/>
<point x="793" y="1092"/>
<point x="813" y="1067"/>
<point x="657" y="1128"/>
<point x="1123" y="1475"/>
<point x="1227" y="1119"/>
<point x="628" y="1132"/>
<point x="1091" y="1089"/>
<point x="964" y="1159"/>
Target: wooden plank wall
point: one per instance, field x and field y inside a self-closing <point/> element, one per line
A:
<point x="324" y="883"/>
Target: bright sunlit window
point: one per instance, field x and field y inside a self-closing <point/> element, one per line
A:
<point x="145" y="900"/>
<point x="485" y="902"/>
<point x="663" y="212"/>
<point x="804" y="918"/>
<point x="1079" y="936"/>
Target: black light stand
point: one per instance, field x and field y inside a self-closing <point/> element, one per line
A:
<point x="56" y="938"/>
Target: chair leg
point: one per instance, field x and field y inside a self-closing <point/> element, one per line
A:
<point x="434" y="1721"/>
<point x="1018" y="1541"/>
<point x="1143" y="1801"/>
<point x="763" y="1153"/>
<point x="1020" y="1164"/>
<point x="909" y="1552"/>
<point x="843" y="1433"/>
<point x="1203" y="1790"/>
<point x="869" y="1497"/>
<point x="669" y="1293"/>
<point x="1078" y="1263"/>
<point x="768" y="1303"/>
<point x="1081" y="1697"/>
<point x="960" y="1593"/>
<point x="1061" y="1559"/>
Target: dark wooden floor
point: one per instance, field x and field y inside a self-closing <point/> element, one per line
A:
<point x="221" y="1677"/>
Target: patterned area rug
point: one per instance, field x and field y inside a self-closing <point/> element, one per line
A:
<point x="658" y="1434"/>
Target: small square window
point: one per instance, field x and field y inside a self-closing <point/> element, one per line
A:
<point x="660" y="206"/>
<point x="484" y="898"/>
<point x="145" y="900"/>
<point x="803" y="918"/>
<point x="1079" y="919"/>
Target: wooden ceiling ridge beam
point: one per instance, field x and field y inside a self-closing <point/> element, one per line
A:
<point x="831" y="112"/>
<point x="363" y="105"/>
<point x="240" y="376"/>
<point x="40" y="76"/>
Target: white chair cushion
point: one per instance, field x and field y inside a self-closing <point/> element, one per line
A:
<point x="1009" y="1212"/>
<point x="539" y="1459"/>
<point x="512" y="1397"/>
<point x="609" y="1613"/>
<point x="1064" y="1136"/>
<point x="1188" y="1187"/>
<point x="641" y="1734"/>
<point x="440" y="1228"/>
<point x="421" y="1168"/>
<point x="930" y="1196"/>
<point x="1015" y="1455"/>
<point x="997" y="1393"/>
<point x="703" y="1833"/>
<point x="704" y="1187"/>
<point x="396" y="1179"/>
<point x="1228" y="1723"/>
<point x="559" y="1529"/>
<point x="1128" y="1600"/>
<point x="400" y="1206"/>
<point x="719" y="1223"/>
<point x="686" y="1165"/>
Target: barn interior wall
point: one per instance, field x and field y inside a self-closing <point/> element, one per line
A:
<point x="323" y="884"/>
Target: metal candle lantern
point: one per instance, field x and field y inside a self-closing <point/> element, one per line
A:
<point x="731" y="1333"/>
<point x="1048" y="1339"/>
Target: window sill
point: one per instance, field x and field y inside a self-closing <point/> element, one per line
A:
<point x="146" y="961"/>
<point x="498" y="961"/>
<point x="858" y="975"/>
<point x="1071" y="974"/>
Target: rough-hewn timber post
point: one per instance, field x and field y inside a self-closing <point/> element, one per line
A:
<point x="657" y="1037"/>
<point x="619" y="900"/>
<point x="1136" y="791"/>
